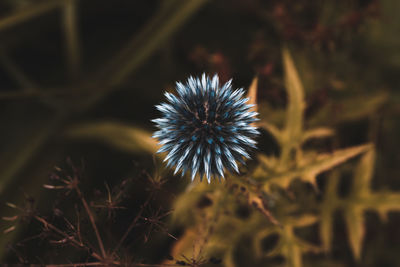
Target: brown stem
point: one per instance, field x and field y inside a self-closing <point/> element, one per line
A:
<point x="73" y="240"/>
<point x="132" y="224"/>
<point x="89" y="213"/>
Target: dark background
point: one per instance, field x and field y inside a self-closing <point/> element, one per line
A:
<point x="65" y="65"/>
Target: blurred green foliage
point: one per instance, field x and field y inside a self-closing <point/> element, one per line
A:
<point x="79" y="79"/>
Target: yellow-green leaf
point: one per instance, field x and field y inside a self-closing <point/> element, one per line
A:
<point x="363" y="174"/>
<point x="355" y="228"/>
<point x="122" y="136"/>
<point x="289" y="245"/>
<point x="292" y="133"/>
<point x="295" y="94"/>
<point x="328" y="207"/>
<point x="321" y="163"/>
<point x="317" y="133"/>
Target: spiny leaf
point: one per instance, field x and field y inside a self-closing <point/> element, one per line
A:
<point x="295" y="92"/>
<point x="355" y="228"/>
<point x="294" y="116"/>
<point x="321" y="163"/>
<point x="363" y="174"/>
<point x="289" y="245"/>
<point x="360" y="199"/>
<point x="383" y="202"/>
<point x="353" y="211"/>
<point x="122" y="136"/>
<point x="328" y="207"/>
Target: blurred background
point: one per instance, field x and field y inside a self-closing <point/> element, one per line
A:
<point x="79" y="79"/>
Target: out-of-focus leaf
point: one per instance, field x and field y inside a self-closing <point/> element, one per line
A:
<point x="273" y="116"/>
<point x="292" y="133"/>
<point x="268" y="162"/>
<point x="328" y="207"/>
<point x="71" y="36"/>
<point x="289" y="245"/>
<point x="122" y="136"/>
<point x="383" y="202"/>
<point x="354" y="211"/>
<point x="295" y="92"/>
<point x="183" y="208"/>
<point x="252" y="93"/>
<point x="272" y="129"/>
<point x="359" y="200"/>
<point x="355" y="228"/>
<point x="321" y="163"/>
<point x="317" y="133"/>
<point x="363" y="174"/>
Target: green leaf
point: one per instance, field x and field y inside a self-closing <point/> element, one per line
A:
<point x="354" y="210"/>
<point x="122" y="136"/>
<point x="328" y="207"/>
<point x="294" y="115"/>
<point x="363" y="174"/>
<point x="321" y="163"/>
<point x="359" y="200"/>
<point x="355" y="228"/>
<point x="295" y="92"/>
<point x="289" y="245"/>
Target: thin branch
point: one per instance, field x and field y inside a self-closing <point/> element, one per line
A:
<point x="89" y="213"/>
<point x="62" y="233"/>
<point x="26" y="14"/>
<point x="132" y="224"/>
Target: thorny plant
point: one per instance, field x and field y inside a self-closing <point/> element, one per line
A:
<point x="262" y="203"/>
<point x="218" y="204"/>
<point x="71" y="234"/>
<point x="275" y="204"/>
<point x="256" y="188"/>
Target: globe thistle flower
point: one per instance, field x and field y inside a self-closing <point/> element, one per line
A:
<point x="206" y="128"/>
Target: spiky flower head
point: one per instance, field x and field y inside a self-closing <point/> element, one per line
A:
<point x="206" y="128"/>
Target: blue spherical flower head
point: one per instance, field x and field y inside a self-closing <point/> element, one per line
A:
<point x="206" y="128"/>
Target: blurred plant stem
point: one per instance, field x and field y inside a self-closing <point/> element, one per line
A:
<point x="73" y="53"/>
<point x="25" y="14"/>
